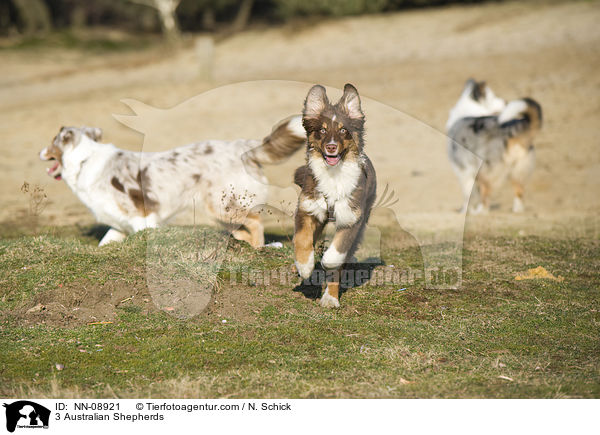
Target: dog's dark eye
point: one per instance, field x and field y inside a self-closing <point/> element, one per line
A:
<point x="323" y="131"/>
<point x="343" y="130"/>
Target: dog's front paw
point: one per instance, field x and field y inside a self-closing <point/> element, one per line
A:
<point x="305" y="269"/>
<point x="328" y="301"/>
<point x="480" y="209"/>
<point x="518" y="206"/>
<point x="332" y="259"/>
<point x="112" y="235"/>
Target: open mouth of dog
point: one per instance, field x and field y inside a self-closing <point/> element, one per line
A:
<point x="332" y="160"/>
<point x="55" y="171"/>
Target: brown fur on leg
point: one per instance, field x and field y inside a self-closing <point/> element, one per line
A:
<point x="252" y="231"/>
<point x="343" y="246"/>
<point x="256" y="230"/>
<point x="243" y="235"/>
<point x="484" y="191"/>
<point x="331" y="295"/>
<point x="306" y="228"/>
<point x="518" y="189"/>
<point x="518" y="201"/>
<point x="303" y="237"/>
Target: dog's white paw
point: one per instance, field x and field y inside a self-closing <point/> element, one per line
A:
<point x="112" y="235"/>
<point x="328" y="301"/>
<point x="306" y="269"/>
<point x="277" y="245"/>
<point x="332" y="259"/>
<point x="480" y="209"/>
<point x="518" y="206"/>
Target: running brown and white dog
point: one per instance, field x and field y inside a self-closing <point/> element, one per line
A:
<point x="130" y="191"/>
<point x="338" y="183"/>
<point x="483" y="130"/>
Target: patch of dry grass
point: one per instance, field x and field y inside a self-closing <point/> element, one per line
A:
<point x="493" y="337"/>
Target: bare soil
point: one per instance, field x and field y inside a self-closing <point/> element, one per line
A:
<point x="82" y="303"/>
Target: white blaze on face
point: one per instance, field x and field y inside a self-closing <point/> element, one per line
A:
<point x="332" y="159"/>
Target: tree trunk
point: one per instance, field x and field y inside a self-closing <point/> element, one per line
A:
<point x="209" y="22"/>
<point x="34" y="15"/>
<point x="168" y="19"/>
<point x="242" y="16"/>
<point x="166" y="13"/>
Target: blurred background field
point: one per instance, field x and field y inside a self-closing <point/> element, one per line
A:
<point x="77" y="67"/>
<point x="37" y="18"/>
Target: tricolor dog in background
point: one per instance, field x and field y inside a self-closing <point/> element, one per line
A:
<point x="481" y="127"/>
<point x="338" y="182"/>
<point x="476" y="99"/>
<point x="130" y="191"/>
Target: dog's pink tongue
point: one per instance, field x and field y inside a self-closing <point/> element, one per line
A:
<point x="332" y="160"/>
<point x="52" y="169"/>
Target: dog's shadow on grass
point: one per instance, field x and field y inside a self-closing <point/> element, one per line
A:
<point x="96" y="231"/>
<point x="353" y="275"/>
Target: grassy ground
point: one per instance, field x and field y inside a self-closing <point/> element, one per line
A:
<point x="495" y="337"/>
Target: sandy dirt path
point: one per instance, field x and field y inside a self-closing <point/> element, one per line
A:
<point x="409" y="68"/>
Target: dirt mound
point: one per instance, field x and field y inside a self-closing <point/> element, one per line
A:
<point x="83" y="303"/>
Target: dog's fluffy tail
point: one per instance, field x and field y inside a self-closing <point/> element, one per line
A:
<point x="287" y="137"/>
<point x="300" y="174"/>
<point x="520" y="116"/>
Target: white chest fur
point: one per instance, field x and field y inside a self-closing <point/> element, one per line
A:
<point x="85" y="172"/>
<point x="336" y="182"/>
<point x="335" y="186"/>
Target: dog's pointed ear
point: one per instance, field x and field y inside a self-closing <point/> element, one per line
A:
<point x="478" y="90"/>
<point x="93" y="133"/>
<point x="350" y="102"/>
<point x="68" y="136"/>
<point x="469" y="85"/>
<point x="316" y="101"/>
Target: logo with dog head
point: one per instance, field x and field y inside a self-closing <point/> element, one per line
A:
<point x="26" y="414"/>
